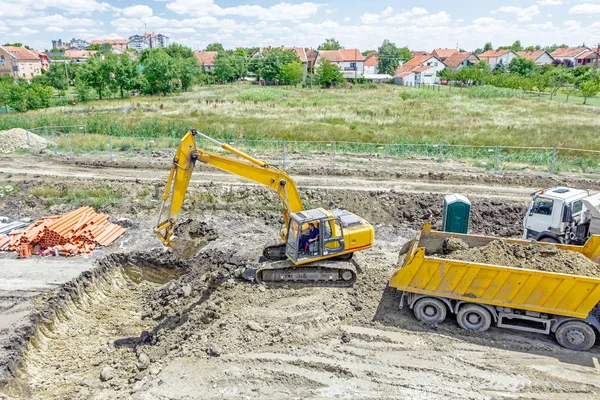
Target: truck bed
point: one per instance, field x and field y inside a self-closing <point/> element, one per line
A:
<point x="498" y="285"/>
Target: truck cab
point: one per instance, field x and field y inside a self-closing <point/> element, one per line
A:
<point x="555" y="214"/>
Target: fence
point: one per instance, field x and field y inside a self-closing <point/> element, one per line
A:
<point x="74" y="140"/>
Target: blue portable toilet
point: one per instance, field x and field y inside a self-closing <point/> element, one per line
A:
<point x="456" y="214"/>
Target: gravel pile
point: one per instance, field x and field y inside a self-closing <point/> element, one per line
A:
<point x="541" y="258"/>
<point x="16" y="139"/>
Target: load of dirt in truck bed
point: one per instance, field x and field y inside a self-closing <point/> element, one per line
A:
<point x="542" y="258"/>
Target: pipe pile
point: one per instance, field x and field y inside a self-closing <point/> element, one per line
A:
<point x="76" y="232"/>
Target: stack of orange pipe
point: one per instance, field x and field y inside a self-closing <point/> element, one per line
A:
<point x="76" y="232"/>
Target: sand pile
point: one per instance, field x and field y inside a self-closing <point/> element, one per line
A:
<point x="16" y="139"/>
<point x="541" y="258"/>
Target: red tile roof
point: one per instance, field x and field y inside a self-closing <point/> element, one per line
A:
<point x="206" y="57"/>
<point x="417" y="53"/>
<point x="492" y="53"/>
<point x="444" y="53"/>
<point x="586" y="55"/>
<point x="111" y="41"/>
<point x="21" y="53"/>
<point x="371" y="61"/>
<point x="568" y="52"/>
<point x="352" y="55"/>
<point x="457" y="58"/>
<point x="531" y="55"/>
<point x="403" y="74"/>
<point x="79" y="53"/>
<point x="421" y="69"/>
<point x="331" y="55"/>
<point x="298" y="50"/>
<point x="415" y="62"/>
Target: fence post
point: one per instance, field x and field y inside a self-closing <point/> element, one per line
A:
<point x="46" y="131"/>
<point x="283" y="155"/>
<point x="54" y="141"/>
<point x="333" y="155"/>
<point x="387" y="151"/>
<point x="441" y="158"/>
<point x="553" y="161"/>
<point x="70" y="146"/>
<point x="110" y="153"/>
<point x="148" y="150"/>
<point x="496" y="160"/>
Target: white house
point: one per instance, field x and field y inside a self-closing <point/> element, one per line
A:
<point x="405" y="79"/>
<point x="494" y="57"/>
<point x="577" y="55"/>
<point x="427" y="65"/>
<point x="350" y="61"/>
<point x="425" y="75"/>
<point x="540" y="57"/>
<point x="371" y="64"/>
<point x="206" y="59"/>
<point x="460" y="60"/>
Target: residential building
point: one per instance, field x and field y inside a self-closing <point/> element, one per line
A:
<point x="350" y="61"/>
<point x="460" y="60"/>
<point x="576" y="55"/>
<point x="495" y="57"/>
<point x="19" y="62"/>
<point x="420" y="61"/>
<point x="118" y="44"/>
<point x="371" y="64"/>
<point x="425" y="75"/>
<point x="540" y="57"/>
<point x="72" y="44"/>
<point x="443" y="54"/>
<point x="406" y="78"/>
<point x="79" y="55"/>
<point x="311" y="58"/>
<point x="147" y="41"/>
<point x="43" y="58"/>
<point x="206" y="59"/>
<point x="419" y="70"/>
<point x="417" y="54"/>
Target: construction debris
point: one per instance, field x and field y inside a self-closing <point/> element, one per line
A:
<point x="76" y="232"/>
<point x="18" y="139"/>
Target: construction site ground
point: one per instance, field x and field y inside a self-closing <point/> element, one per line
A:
<point x="131" y="321"/>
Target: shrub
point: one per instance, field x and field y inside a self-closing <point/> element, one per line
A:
<point x="490" y="92"/>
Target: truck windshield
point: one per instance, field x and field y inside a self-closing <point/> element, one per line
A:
<point x="542" y="206"/>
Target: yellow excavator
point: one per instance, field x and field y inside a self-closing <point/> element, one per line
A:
<point x="316" y="245"/>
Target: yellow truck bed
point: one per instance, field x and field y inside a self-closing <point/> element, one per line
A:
<point x="497" y="285"/>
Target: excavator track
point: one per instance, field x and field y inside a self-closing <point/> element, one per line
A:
<point x="322" y="273"/>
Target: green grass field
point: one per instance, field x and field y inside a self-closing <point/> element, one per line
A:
<point x="386" y="114"/>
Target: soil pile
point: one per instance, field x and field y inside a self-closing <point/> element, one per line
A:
<point x="18" y="139"/>
<point x="541" y="258"/>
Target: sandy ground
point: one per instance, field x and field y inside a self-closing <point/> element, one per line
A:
<point x="128" y="333"/>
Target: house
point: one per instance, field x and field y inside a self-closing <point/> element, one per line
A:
<point x="43" y="58"/>
<point x="371" y="64"/>
<point x="419" y="70"/>
<point x="416" y="54"/>
<point x="79" y="44"/>
<point x="420" y="61"/>
<point x="495" y="57"/>
<point x="443" y="54"/>
<point x="405" y="79"/>
<point x="350" y="61"/>
<point x="460" y="60"/>
<point x="540" y="57"/>
<point x="576" y="55"/>
<point x="79" y="55"/>
<point x="206" y="59"/>
<point x="311" y="58"/>
<point x="378" y="78"/>
<point x="425" y="75"/>
<point x="19" y="62"/>
<point x="119" y="44"/>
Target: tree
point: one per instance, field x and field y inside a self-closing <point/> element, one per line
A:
<point x="499" y="68"/>
<point x="516" y="46"/>
<point x="270" y="64"/>
<point x="330" y="44"/>
<point x="225" y="70"/>
<point x="17" y="45"/>
<point x="521" y="66"/>
<point x="159" y="71"/>
<point x="57" y="76"/>
<point x="188" y="69"/>
<point x="367" y="52"/>
<point x="542" y="82"/>
<point x="292" y="73"/>
<point x="96" y="73"/>
<point x="488" y="46"/>
<point x="125" y="74"/>
<point x="214" y="47"/>
<point x="389" y="58"/>
<point x="405" y="54"/>
<point x="329" y="74"/>
<point x="179" y="51"/>
<point x="559" y="77"/>
<point x="589" y="86"/>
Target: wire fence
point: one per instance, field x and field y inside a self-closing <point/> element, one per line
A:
<point x="72" y="141"/>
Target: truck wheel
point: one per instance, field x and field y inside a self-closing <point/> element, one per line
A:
<point x="430" y="310"/>
<point x="576" y="335"/>
<point x="473" y="317"/>
<point x="549" y="240"/>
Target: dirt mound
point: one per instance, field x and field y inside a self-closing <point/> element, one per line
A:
<point x="541" y="258"/>
<point x="195" y="229"/>
<point x="18" y="139"/>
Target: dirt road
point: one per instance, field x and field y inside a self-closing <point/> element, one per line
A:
<point x="146" y="326"/>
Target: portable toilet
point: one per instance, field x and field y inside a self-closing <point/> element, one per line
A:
<point x="455" y="217"/>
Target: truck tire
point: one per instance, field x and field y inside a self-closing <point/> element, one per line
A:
<point x="549" y="240"/>
<point x="473" y="317"/>
<point x="576" y="335"/>
<point x="430" y="310"/>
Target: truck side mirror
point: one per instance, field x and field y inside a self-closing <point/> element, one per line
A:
<point x="567" y="214"/>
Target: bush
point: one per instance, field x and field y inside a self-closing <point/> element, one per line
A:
<point x="490" y="92"/>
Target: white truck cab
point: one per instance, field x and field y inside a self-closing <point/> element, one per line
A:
<point x="560" y="215"/>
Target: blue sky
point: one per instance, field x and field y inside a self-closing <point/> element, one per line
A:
<point x="421" y="25"/>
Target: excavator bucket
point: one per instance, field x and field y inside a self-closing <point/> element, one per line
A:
<point x="187" y="248"/>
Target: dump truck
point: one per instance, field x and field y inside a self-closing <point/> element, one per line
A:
<point x="562" y="215"/>
<point x="567" y="306"/>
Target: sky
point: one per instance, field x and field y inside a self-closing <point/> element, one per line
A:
<point x="420" y="25"/>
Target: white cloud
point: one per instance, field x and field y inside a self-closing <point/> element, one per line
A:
<point x="418" y="11"/>
<point x="537" y="27"/>
<point x="24" y="31"/>
<point x="387" y="12"/>
<point x="56" y="20"/>
<point x="549" y="2"/>
<point x="330" y="10"/>
<point x="441" y="18"/>
<point x="585" y="8"/>
<point x="53" y="29"/>
<point x="369" y="18"/>
<point x="137" y="11"/>
<point x="277" y="12"/>
<point x="28" y="8"/>
<point x="549" y="15"/>
<point x="523" y="14"/>
<point x="347" y="19"/>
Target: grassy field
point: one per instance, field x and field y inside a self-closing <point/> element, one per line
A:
<point x="386" y="114"/>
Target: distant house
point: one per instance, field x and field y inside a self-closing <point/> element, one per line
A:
<point x="19" y="62"/>
<point x="443" y="54"/>
<point x="298" y="50"/>
<point x="405" y="79"/>
<point x="577" y="55"/>
<point x="540" y="57"/>
<point x="460" y="60"/>
<point x="79" y="55"/>
<point x="206" y="59"/>
<point x="495" y="57"/>
<point x="350" y="61"/>
<point x="43" y="58"/>
<point x="417" y="54"/>
<point x="311" y="58"/>
<point x="146" y="41"/>
<point x="423" y="68"/>
<point x="420" y="61"/>
<point x="119" y="44"/>
<point x="371" y="64"/>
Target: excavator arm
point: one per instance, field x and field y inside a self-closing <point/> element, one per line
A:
<point x="185" y="159"/>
